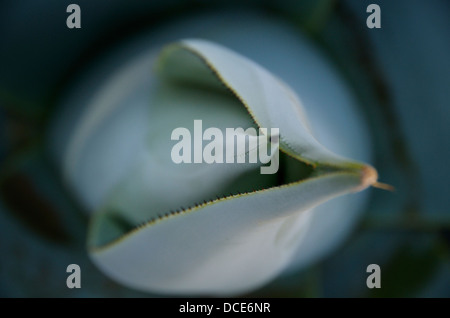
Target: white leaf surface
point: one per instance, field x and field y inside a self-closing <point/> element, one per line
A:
<point x="240" y="241"/>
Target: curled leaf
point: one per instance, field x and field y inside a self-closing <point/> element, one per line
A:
<point x="216" y="228"/>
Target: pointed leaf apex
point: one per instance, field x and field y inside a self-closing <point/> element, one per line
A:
<point x="369" y="176"/>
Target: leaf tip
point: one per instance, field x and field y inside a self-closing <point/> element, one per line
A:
<point x="383" y="186"/>
<point x="368" y="177"/>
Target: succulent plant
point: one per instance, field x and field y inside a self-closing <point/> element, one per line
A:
<point x="164" y="228"/>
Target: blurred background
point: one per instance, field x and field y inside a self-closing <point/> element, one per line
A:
<point x="400" y="75"/>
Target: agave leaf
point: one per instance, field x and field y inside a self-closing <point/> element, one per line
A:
<point x="270" y="102"/>
<point x="225" y="246"/>
<point x="163" y="229"/>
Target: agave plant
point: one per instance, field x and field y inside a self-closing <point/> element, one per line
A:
<point x="214" y="229"/>
<point x="207" y="228"/>
<point x="211" y="228"/>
